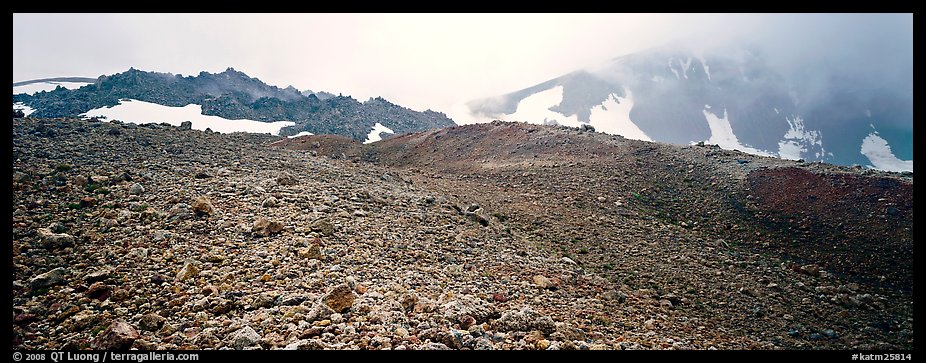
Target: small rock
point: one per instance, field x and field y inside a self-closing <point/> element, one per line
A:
<point x="210" y="290"/>
<point x="812" y="270"/>
<point x="180" y="211"/>
<point x="543" y="282"/>
<point x="98" y="291"/>
<point x="136" y="189"/>
<point x="119" y="295"/>
<point x="360" y="213"/>
<point x="223" y="306"/>
<point x="568" y="260"/>
<point x="525" y="320"/>
<point x="186" y="125"/>
<point x="118" y="336"/>
<point x="270" y="202"/>
<point x="462" y="308"/>
<point x="323" y="226"/>
<point x="543" y="344"/>
<point x="53" y="240"/>
<point x="245" y="337"/>
<point x="435" y="346"/>
<point x="749" y="291"/>
<point x="311" y="252"/>
<point x="483" y="344"/>
<point x="151" y="322"/>
<point x="602" y="199"/>
<point x="202" y="206"/>
<point x="157" y="279"/>
<point x="87" y="202"/>
<point x="408" y="301"/>
<point x="23" y="319"/>
<point x="264" y="227"/>
<point x="57" y="227"/>
<point x="48" y="279"/>
<point x="306" y="344"/>
<point x="614" y="295"/>
<point x="188" y="271"/>
<point x="340" y="298"/>
<point x="263" y="301"/>
<point x="286" y="178"/>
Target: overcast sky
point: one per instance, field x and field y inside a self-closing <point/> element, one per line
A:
<point x="424" y="61"/>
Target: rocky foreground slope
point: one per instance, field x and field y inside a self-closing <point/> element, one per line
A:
<point x="498" y="236"/>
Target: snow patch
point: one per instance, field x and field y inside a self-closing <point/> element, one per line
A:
<point x="722" y="134"/>
<point x="141" y="112"/>
<point x="25" y="109"/>
<point x="535" y="109"/>
<point x="673" y="69"/>
<point x="796" y="138"/>
<point x="868" y="113"/>
<point x="685" y="66"/>
<point x="302" y="133"/>
<point x="876" y="149"/>
<point x="376" y="133"/>
<point x="37" y="87"/>
<point x="612" y="116"/>
<point x="776" y="111"/>
<point x="707" y="69"/>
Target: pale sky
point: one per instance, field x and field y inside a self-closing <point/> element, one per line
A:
<point x="420" y="61"/>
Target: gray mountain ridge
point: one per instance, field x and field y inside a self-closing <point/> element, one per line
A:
<point x="234" y="95"/>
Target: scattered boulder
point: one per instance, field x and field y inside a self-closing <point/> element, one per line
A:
<point x="48" y="279"/>
<point x="270" y="202"/>
<point x="245" y="337"/>
<point x="151" y="322"/>
<point x="525" y="320"/>
<point x="543" y="282"/>
<point x="118" y="336"/>
<point x="186" y="125"/>
<point x="98" y="275"/>
<point x="311" y="252"/>
<point x="53" y="240"/>
<point x="340" y="298"/>
<point x="189" y="270"/>
<point x="465" y="306"/>
<point x="811" y="269"/>
<point x="323" y="226"/>
<point x="264" y="227"/>
<point x="286" y="178"/>
<point x="435" y="346"/>
<point x="136" y="189"/>
<point x="202" y="206"/>
<point x="180" y="211"/>
<point x="306" y="344"/>
<point x="98" y="291"/>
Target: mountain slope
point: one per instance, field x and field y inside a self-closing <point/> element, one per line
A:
<point x="233" y="95"/>
<point x="734" y="99"/>
<point x="219" y="240"/>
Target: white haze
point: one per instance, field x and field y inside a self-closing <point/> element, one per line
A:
<point x="440" y="61"/>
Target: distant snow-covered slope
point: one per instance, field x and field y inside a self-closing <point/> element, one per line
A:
<point x="734" y="99"/>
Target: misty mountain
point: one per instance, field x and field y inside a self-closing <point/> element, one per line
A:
<point x="234" y="95"/>
<point x="735" y="99"/>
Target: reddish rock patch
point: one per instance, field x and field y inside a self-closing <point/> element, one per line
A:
<point x="852" y="224"/>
